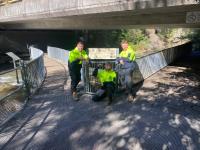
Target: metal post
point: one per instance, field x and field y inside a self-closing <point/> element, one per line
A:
<point x="25" y="77"/>
<point x="17" y="77"/>
<point x="15" y="58"/>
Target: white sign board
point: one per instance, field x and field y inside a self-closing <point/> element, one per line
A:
<point x="103" y="53"/>
<point x="193" y="17"/>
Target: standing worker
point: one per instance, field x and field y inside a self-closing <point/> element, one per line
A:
<point x="76" y="56"/>
<point x="107" y="78"/>
<point x="126" y="60"/>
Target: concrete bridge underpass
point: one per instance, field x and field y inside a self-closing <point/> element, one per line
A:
<point x="100" y="14"/>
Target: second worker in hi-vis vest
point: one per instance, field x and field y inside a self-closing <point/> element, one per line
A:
<point x="127" y="63"/>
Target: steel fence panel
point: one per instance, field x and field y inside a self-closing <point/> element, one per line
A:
<point x="88" y="78"/>
<point x="34" y="71"/>
<point x="33" y="74"/>
<point x="58" y="54"/>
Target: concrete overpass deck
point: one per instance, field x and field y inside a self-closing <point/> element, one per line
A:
<point x="101" y="14"/>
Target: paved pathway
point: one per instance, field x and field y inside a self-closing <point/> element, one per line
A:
<point x="165" y="116"/>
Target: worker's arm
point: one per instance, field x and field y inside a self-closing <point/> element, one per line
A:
<point x="84" y="56"/>
<point x="131" y="56"/>
<point x="122" y="59"/>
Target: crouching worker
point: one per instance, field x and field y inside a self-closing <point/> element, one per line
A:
<point x="107" y="79"/>
<point x="76" y="56"/>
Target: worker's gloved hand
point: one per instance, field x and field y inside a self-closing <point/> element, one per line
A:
<point x="121" y="62"/>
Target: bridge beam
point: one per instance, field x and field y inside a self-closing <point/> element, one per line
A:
<point x="90" y="14"/>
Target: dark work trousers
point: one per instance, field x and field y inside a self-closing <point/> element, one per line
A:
<point x="75" y="74"/>
<point x="125" y="77"/>
<point x="107" y="90"/>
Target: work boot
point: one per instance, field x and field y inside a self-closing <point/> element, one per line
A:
<point x="75" y="96"/>
<point x="130" y="98"/>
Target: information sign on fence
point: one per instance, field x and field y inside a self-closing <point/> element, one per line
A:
<point x="103" y="53"/>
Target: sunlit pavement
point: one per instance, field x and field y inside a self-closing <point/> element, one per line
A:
<point x="165" y="115"/>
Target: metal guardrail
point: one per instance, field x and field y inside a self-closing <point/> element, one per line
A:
<point x="150" y="64"/>
<point x="33" y="74"/>
<point x="58" y="54"/>
<point x="8" y="71"/>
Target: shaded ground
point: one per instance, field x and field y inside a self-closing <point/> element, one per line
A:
<point x="166" y="115"/>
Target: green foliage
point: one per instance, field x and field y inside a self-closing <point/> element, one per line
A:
<point x="195" y="37"/>
<point x="134" y="36"/>
<point x="104" y="38"/>
<point x="139" y="39"/>
<point x="166" y="33"/>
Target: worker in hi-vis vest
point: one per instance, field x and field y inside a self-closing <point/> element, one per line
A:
<point x="107" y="78"/>
<point x="76" y="56"/>
<point x="126" y="61"/>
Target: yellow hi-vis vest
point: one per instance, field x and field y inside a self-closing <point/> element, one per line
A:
<point x="106" y="76"/>
<point x="75" y="54"/>
<point x="128" y="54"/>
